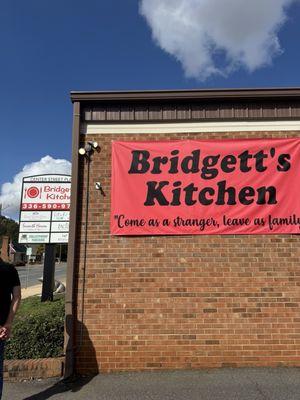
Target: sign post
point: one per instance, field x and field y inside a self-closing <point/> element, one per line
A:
<point x="44" y="219"/>
<point x="28" y="254"/>
<point x="49" y="272"/>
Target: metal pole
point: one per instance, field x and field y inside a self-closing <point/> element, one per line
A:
<point x="70" y="326"/>
<point x="27" y="274"/>
<point x="48" y="275"/>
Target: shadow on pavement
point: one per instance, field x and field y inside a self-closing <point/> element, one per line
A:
<point x="61" y="387"/>
<point x="75" y="382"/>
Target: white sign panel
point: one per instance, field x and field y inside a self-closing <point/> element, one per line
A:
<point x="34" y="227"/>
<point x="45" y="206"/>
<point x="33" y="238"/>
<point x="35" y="216"/>
<point x="46" y="196"/>
<point x="57" y="237"/>
<point x="60" y="226"/>
<point x="48" y="178"/>
<point x="60" y="215"/>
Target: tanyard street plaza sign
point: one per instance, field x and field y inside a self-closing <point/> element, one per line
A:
<point x="45" y="209"/>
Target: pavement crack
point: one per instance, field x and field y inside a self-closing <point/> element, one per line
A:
<point x="259" y="390"/>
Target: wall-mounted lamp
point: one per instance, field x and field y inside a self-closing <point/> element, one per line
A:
<point x="98" y="186"/>
<point x="89" y="149"/>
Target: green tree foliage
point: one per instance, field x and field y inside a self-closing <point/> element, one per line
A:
<point x="9" y="227"/>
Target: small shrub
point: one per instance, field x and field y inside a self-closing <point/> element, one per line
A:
<point x="38" y="330"/>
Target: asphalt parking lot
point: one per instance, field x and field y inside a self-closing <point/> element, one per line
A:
<point x="218" y="384"/>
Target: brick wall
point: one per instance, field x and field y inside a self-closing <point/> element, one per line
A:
<point x="169" y="302"/>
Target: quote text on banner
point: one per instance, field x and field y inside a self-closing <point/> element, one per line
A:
<point x="249" y="186"/>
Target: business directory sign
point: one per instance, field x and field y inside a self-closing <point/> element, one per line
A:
<point x="45" y="209"/>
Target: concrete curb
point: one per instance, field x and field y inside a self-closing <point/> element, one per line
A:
<point x="34" y="290"/>
<point x="15" y="370"/>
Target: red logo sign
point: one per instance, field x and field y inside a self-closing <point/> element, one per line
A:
<point x="33" y="192"/>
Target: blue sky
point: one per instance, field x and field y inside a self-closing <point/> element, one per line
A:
<point x="50" y="47"/>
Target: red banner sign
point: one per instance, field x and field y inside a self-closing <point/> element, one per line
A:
<point x="206" y="187"/>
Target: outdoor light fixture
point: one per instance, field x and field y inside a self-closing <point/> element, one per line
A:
<point x="94" y="144"/>
<point x="89" y="148"/>
<point x="98" y="186"/>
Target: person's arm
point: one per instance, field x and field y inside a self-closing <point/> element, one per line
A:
<point x="15" y="302"/>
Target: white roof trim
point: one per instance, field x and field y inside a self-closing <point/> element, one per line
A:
<point x="190" y="127"/>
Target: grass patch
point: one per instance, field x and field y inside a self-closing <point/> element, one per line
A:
<point x="33" y="306"/>
<point x="38" y="329"/>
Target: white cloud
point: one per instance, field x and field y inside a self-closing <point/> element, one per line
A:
<point x="11" y="191"/>
<point x="216" y="37"/>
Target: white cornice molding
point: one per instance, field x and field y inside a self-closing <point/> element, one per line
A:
<point x="190" y="127"/>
